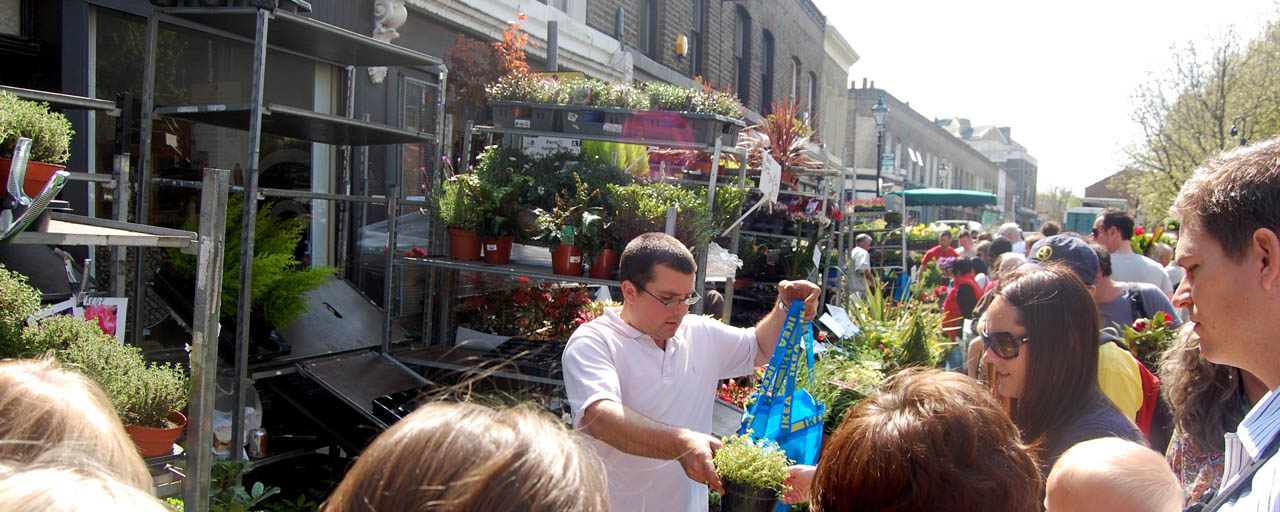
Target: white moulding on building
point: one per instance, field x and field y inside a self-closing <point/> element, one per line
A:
<point x="582" y="48"/>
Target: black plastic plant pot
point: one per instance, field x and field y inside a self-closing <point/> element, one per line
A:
<point x="743" y="498"/>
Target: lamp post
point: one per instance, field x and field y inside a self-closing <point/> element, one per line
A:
<point x="1239" y="120"/>
<point x="879" y="112"/>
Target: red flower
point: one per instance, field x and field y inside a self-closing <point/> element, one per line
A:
<point x="1137" y="230"/>
<point x="1168" y="318"/>
<point x="417" y="251"/>
<point x="1141" y="324"/>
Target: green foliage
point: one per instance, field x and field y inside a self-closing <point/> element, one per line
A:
<point x="50" y="132"/>
<point x="18" y="300"/>
<point x="668" y="96"/>
<point x="1186" y="115"/>
<point x="618" y="156"/>
<point x="562" y="224"/>
<point x="279" y="280"/>
<point x="728" y="203"/>
<point x="598" y="232"/>
<point x="455" y="202"/>
<point x="640" y="209"/>
<point x="758" y="463"/>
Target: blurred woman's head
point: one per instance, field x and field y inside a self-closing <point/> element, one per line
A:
<point x="47" y="411"/>
<point x="928" y="440"/>
<point x="1206" y="400"/>
<point x="466" y="457"/>
<point x="60" y="488"/>
<point x="1041" y="333"/>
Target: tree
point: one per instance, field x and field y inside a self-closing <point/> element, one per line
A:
<point x="1052" y="204"/>
<point x="1187" y="115"/>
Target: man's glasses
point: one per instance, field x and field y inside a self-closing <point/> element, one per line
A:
<point x="692" y="299"/>
<point x="1095" y="232"/>
<point x="1003" y="344"/>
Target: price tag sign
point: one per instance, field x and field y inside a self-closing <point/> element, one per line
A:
<point x="770" y="178"/>
<point x="841" y="317"/>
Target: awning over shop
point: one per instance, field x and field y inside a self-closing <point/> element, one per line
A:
<point x="946" y="197"/>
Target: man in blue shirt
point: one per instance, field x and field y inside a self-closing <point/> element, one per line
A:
<point x="1230" y="212"/>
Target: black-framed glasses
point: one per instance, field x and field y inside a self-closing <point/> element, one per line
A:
<point x="1004" y="345"/>
<point x="1095" y="232"/>
<point x="692" y="299"/>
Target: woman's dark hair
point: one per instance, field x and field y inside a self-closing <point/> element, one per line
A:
<point x="979" y="266"/>
<point x="651" y="249"/>
<point x="998" y="247"/>
<point x="961" y="266"/>
<point x="1062" y="325"/>
<point x="928" y="440"/>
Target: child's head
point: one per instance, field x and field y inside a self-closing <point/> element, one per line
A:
<point x="1112" y="474"/>
<point x="64" y="488"/>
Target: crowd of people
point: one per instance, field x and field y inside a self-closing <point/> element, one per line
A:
<point x="1050" y="412"/>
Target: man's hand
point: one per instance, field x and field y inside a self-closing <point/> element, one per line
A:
<point x="800" y="481"/>
<point x="800" y="290"/>
<point x="696" y="458"/>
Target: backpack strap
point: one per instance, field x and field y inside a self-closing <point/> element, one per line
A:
<point x="1243" y="480"/>
<point x="1135" y="301"/>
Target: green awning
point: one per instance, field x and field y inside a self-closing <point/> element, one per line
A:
<point x="946" y="197"/>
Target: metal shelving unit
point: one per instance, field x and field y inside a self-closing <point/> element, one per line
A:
<point x="321" y="42"/>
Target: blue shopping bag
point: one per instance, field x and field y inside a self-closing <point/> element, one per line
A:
<point x="781" y="413"/>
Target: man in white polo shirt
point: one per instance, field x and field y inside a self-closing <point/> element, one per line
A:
<point x="641" y="379"/>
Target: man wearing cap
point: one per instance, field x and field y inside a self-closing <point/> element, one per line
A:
<point x="1118" y="374"/>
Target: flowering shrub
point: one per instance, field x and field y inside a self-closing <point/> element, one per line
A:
<point x="1149" y="337"/>
<point x="736" y="394"/>
<point x="528" y="310"/>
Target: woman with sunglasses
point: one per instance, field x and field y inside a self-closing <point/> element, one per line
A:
<point x="1041" y="336"/>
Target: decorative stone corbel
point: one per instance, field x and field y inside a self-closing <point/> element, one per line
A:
<point x="388" y="15"/>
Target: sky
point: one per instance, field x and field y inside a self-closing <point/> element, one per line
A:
<point x="1061" y="74"/>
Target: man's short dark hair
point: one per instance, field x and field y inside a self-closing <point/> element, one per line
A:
<point x="964" y="233"/>
<point x="1050" y="228"/>
<point x="650" y="249"/>
<point x="1233" y="195"/>
<point x="1119" y="220"/>
<point x="1104" y="258"/>
<point x="961" y="266"/>
<point x="999" y="245"/>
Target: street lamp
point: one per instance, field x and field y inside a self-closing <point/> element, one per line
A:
<point x="879" y="112"/>
<point x="1239" y="132"/>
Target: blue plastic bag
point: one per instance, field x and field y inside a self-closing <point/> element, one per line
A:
<point x="781" y="413"/>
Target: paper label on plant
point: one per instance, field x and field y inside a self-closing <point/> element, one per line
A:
<point x="575" y="259"/>
<point x="522" y="123"/>
<point x="572" y="117"/>
<point x="613" y="128"/>
<point x="811" y="207"/>
<point x="770" y="178"/>
<point x="491" y="247"/>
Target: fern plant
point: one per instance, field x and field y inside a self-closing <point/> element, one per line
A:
<point x="279" y="279"/>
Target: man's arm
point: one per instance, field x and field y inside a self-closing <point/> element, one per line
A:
<point x="770" y="327"/>
<point x="634" y="433"/>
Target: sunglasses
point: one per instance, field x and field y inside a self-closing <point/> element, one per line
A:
<point x="1003" y="344"/>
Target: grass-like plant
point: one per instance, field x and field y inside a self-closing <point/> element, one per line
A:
<point x="758" y="463"/>
<point x="50" y="132"/>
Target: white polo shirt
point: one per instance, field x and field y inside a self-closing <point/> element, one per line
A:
<point x="607" y="359"/>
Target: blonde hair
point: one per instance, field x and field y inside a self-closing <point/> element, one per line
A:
<point x="1006" y="263"/>
<point x="47" y="412"/>
<point x="1120" y="473"/>
<point x="466" y="457"/>
<point x="68" y="489"/>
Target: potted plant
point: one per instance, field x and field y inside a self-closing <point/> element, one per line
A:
<point x="50" y="134"/>
<point x="526" y="101"/>
<point x="499" y="220"/>
<point x="599" y="242"/>
<point x="600" y="108"/>
<point x="752" y="471"/>
<point x="455" y="207"/>
<point x="560" y="228"/>
<point x="705" y="114"/>
<point x="149" y="402"/>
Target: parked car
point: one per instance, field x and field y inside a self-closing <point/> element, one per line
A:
<point x="971" y="225"/>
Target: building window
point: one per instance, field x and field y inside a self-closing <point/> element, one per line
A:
<point x="695" y="38"/>
<point x="742" y="54"/>
<point x="12" y="18"/>
<point x="649" y="27"/>
<point x="795" y="79"/>
<point x="563" y="5"/>
<point x="766" y="80"/>
<point x="813" y="95"/>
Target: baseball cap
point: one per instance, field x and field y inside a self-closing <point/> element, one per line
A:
<point x="1068" y="250"/>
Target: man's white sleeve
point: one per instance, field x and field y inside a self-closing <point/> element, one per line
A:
<point x="589" y="375"/>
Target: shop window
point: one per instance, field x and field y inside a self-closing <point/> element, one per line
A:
<point x="14" y="17"/>
<point x="649" y="27"/>
<point x="813" y="95"/>
<point x="695" y="38"/>
<point x="742" y="54"/>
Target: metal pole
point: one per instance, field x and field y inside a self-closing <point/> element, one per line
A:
<point x="121" y="192"/>
<point x="204" y="339"/>
<point x="344" y="177"/>
<point x="701" y="285"/>
<point x="735" y="242"/>
<point x="246" y="237"/>
<point x="389" y="259"/>
<point x="144" y="170"/>
<point x="879" y="158"/>
<point x="553" y="46"/>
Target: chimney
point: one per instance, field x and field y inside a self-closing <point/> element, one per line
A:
<point x="1005" y="130"/>
<point x="864" y="82"/>
<point x="873" y="84"/>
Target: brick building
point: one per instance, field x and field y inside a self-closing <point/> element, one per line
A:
<point x="923" y="155"/>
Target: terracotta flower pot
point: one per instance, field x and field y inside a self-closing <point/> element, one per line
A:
<point x="605" y="264"/>
<point x="38" y="174"/>
<point x="566" y="260"/>
<point x="464" y="245"/>
<point x="154" y="442"/>
<point x="497" y="251"/>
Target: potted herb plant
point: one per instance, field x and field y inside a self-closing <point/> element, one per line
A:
<point x="50" y="134"/>
<point x="560" y="228"/>
<point x="526" y="101"/>
<point x="752" y="471"/>
<point x="455" y="207"/>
